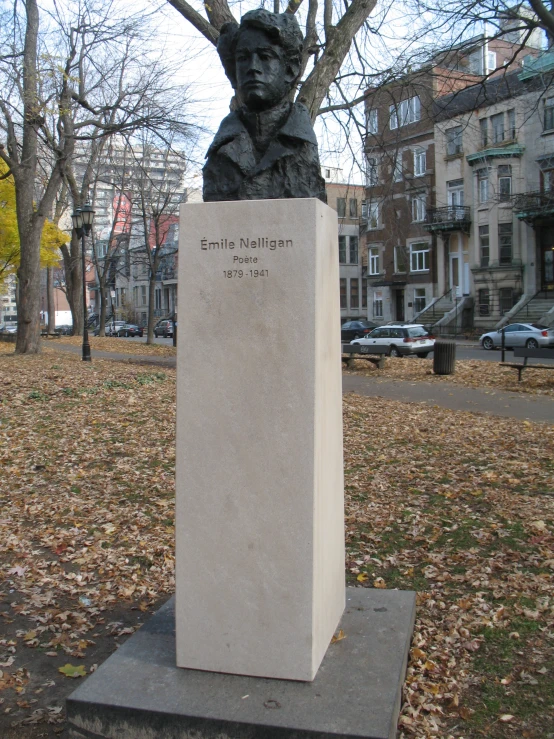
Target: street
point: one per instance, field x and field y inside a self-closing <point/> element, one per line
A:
<point x="464" y="350"/>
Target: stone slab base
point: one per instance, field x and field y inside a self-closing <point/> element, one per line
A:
<point x="139" y="693"/>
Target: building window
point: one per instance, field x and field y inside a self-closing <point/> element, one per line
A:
<point x="378" y="304"/>
<point x="484" y="245"/>
<point x="511" y="124"/>
<point x="400" y="259"/>
<point x="341" y="207"/>
<point x="353" y="208"/>
<point x="504" y="182"/>
<point x="353" y="250"/>
<point x="373" y="216"/>
<point x="419" y="299"/>
<point x="407" y="111"/>
<point x="497" y="124"/>
<point x="342" y="249"/>
<point x="143" y="294"/>
<point x="135" y="296"/>
<point x="547" y="180"/>
<point x="342" y="283"/>
<point x="455" y="193"/>
<point x="420" y="162"/>
<point x="484" y="129"/>
<point x="397" y="170"/>
<point x="454" y="141"/>
<point x="364" y="210"/>
<point x="354" y="293"/>
<point x="158" y="298"/>
<point x="419" y="257"/>
<point x="372" y="172"/>
<point x="418" y="207"/>
<point x="483" y="185"/>
<point x="506" y="297"/>
<point x="505" y="243"/>
<point x="372" y="123"/>
<point x="484" y="301"/>
<point x="328" y="174"/>
<point x="373" y="259"/>
<point x="364" y="292"/>
<point x="123" y="296"/>
<point x="549" y="114"/>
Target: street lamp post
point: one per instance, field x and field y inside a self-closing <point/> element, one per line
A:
<point x="83" y="219"/>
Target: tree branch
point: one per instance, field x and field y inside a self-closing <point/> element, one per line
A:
<point x="200" y="23"/>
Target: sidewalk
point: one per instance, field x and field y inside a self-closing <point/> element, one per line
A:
<point x="456" y="397"/>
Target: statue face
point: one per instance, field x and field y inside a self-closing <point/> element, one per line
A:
<point x="263" y="76"/>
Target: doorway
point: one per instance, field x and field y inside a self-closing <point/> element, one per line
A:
<point x="399" y="305"/>
<point x="547" y="257"/>
<point x="455" y="275"/>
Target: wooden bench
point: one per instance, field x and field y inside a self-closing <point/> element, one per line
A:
<point x="361" y="351"/>
<point x="530" y="354"/>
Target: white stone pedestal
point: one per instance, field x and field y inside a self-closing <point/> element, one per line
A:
<point x="260" y="525"/>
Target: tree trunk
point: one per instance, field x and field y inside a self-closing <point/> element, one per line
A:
<point x="51" y="308"/>
<point x="151" y="291"/>
<point x="74" y="282"/>
<point x="102" y="323"/>
<point x="28" y="275"/>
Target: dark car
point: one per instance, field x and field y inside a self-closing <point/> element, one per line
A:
<point x="356" y="329"/>
<point x="163" y="328"/>
<point x="128" y="329"/>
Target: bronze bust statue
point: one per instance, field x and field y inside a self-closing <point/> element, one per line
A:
<point x="267" y="148"/>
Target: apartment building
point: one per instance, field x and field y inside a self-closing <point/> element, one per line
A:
<point x="348" y="201"/>
<point x="404" y="265"/>
<point x="494" y="220"/>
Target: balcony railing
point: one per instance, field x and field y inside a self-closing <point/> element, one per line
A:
<point x="448" y="218"/>
<point x="533" y="205"/>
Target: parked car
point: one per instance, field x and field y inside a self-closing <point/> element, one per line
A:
<point x="163" y="328"/>
<point x="8" y="328"/>
<point x="531" y="335"/>
<point x="128" y="329"/>
<point x="401" y="340"/>
<point x="64" y="330"/>
<point x="355" y="329"/>
<point x="113" y="327"/>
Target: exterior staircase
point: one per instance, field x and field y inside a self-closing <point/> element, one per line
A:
<point x="435" y="311"/>
<point x="538" y="308"/>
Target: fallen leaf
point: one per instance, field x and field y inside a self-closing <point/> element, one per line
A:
<point x="72" y="671"/>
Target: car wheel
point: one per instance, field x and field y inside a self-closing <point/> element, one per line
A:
<point x="393" y="352"/>
<point x="126" y="334"/>
<point x="356" y="336"/>
<point x="532" y="344"/>
<point x="487" y="343"/>
<point x="423" y="355"/>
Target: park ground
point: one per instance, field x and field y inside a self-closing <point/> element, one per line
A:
<point x="458" y="506"/>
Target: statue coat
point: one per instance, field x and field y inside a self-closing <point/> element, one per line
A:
<point x="289" y="168"/>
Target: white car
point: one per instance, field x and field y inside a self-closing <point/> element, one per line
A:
<point x="531" y="335"/>
<point x="411" y="338"/>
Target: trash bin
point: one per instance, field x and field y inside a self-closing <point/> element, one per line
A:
<point x="444" y="357"/>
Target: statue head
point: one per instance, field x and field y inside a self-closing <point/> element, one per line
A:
<point x="261" y="57"/>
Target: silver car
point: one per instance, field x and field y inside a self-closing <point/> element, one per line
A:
<point x="401" y="340"/>
<point x="531" y="335"/>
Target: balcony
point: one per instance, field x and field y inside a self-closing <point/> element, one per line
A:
<point x="532" y="206"/>
<point x="448" y="218"/>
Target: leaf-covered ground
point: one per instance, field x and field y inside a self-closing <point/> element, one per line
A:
<point x="468" y="372"/>
<point x="456" y="506"/>
<point x="114" y="344"/>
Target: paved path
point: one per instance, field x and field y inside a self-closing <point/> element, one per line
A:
<point x="446" y="395"/>
<point x="456" y="397"/>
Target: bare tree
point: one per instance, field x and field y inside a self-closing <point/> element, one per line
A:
<point x="80" y="79"/>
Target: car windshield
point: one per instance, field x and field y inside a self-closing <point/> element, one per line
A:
<point x="417" y="331"/>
